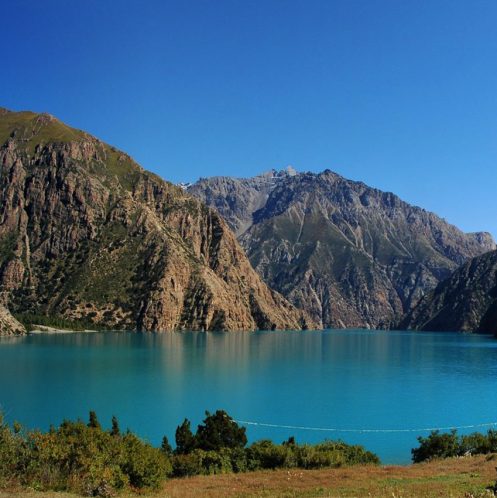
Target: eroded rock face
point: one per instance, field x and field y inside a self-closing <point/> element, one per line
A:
<point x="87" y="234"/>
<point x="350" y="255"/>
<point x="466" y="301"/>
<point x="8" y="324"/>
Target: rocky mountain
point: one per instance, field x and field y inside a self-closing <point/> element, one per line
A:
<point x="237" y="199"/>
<point x="349" y="254"/>
<point x="466" y="301"/>
<point x="8" y="324"/>
<point x="87" y="235"/>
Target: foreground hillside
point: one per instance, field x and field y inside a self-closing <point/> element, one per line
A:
<point x="467" y="477"/>
<point x="351" y="255"/>
<point x="466" y="301"/>
<point x="86" y="234"/>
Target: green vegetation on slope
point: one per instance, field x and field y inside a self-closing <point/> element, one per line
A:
<point x="30" y="320"/>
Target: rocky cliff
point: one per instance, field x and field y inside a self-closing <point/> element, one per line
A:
<point x="466" y="301"/>
<point x="8" y="324"/>
<point x="86" y="234"/>
<point x="351" y="255"/>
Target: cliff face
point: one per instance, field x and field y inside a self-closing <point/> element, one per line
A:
<point x="87" y="234"/>
<point x="350" y="255"/>
<point x="8" y="324"/>
<point x="466" y="301"/>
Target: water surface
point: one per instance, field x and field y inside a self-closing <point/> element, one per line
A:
<point x="332" y="379"/>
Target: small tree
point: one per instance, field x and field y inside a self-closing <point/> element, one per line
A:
<point x="166" y="447"/>
<point x="185" y="440"/>
<point x="115" y="430"/>
<point x="220" y="431"/>
<point x="93" y="421"/>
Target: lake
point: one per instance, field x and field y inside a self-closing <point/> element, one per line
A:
<point x="346" y="380"/>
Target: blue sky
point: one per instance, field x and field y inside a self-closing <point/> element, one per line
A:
<point x="399" y="94"/>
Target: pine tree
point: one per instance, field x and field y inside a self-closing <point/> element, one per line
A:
<point x="93" y="422"/>
<point x="115" y="430"/>
<point x="166" y="447"/>
<point x="185" y="440"/>
<point x="220" y="431"/>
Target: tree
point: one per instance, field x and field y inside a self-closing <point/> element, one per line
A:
<point x="436" y="445"/>
<point x="93" y="421"/>
<point x="166" y="447"/>
<point x="185" y="440"/>
<point x="290" y="442"/>
<point x="115" y="430"/>
<point x="220" y="431"/>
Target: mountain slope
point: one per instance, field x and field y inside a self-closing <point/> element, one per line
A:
<point x="351" y="255"/>
<point x="466" y="301"/>
<point x="8" y="324"/>
<point x="87" y="234"/>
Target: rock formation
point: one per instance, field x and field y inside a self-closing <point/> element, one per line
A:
<point x="8" y="324"/>
<point x="87" y="235"/>
<point x="350" y="255"/>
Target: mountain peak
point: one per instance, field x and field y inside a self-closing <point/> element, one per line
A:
<point x="349" y="254"/>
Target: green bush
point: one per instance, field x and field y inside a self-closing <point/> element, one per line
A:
<point x="436" y="445"/>
<point x="144" y="465"/>
<point x="267" y="455"/>
<point x="80" y="457"/>
<point x="12" y="453"/>
<point x="445" y="445"/>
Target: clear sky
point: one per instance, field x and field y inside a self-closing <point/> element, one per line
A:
<point x="400" y="94"/>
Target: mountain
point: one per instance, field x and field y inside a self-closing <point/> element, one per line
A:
<point x="87" y="235"/>
<point x="466" y="301"/>
<point x="349" y="254"/>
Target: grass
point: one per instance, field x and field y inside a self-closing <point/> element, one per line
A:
<point x="463" y="477"/>
<point x="467" y="477"/>
<point x="34" y="132"/>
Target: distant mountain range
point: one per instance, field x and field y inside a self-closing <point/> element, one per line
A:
<point x="88" y="235"/>
<point x="348" y="254"/>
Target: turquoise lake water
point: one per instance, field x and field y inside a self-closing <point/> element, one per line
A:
<point x="332" y="379"/>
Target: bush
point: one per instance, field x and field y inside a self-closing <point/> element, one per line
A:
<point x="12" y="453"/>
<point x="446" y="445"/>
<point x="82" y="458"/>
<point x="144" y="465"/>
<point x="267" y="455"/>
<point x="436" y="445"/>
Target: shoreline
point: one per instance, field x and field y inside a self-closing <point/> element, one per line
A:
<point x="44" y="329"/>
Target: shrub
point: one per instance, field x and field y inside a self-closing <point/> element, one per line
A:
<point x="267" y="455"/>
<point x="445" y="445"/>
<point x="12" y="451"/>
<point x="144" y="465"/>
<point x="187" y="464"/>
<point x="436" y="445"/>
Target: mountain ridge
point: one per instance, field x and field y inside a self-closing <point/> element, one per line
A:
<point x="351" y="255"/>
<point x="86" y="233"/>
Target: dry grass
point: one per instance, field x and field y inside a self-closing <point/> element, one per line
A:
<point x="458" y="477"/>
